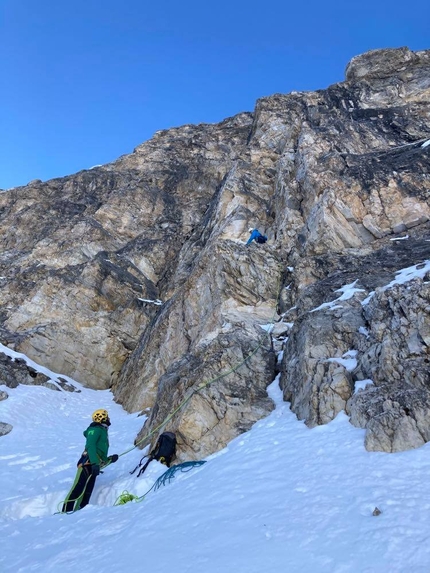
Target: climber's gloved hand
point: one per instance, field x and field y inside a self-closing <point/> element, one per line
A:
<point x="113" y="458"/>
<point x="95" y="470"/>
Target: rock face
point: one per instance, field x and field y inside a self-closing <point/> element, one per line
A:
<point x="81" y="254"/>
<point x="135" y="275"/>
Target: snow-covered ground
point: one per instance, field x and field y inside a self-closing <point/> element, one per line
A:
<point x="280" y="498"/>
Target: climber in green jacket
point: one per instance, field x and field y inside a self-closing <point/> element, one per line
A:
<point x="94" y="455"/>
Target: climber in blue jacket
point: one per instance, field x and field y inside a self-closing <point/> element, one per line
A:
<point x="257" y="236"/>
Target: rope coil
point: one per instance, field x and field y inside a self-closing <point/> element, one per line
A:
<point x="164" y="479"/>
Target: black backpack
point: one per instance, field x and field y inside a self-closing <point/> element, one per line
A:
<point x="261" y="239"/>
<point x="164" y="451"/>
<point x="165" y="448"/>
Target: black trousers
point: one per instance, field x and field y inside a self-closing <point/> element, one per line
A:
<point x="82" y="488"/>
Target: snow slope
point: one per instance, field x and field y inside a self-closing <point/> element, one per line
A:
<point x="280" y="498"/>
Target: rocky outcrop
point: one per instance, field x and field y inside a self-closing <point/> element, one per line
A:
<point x="16" y="371"/>
<point x="329" y="348"/>
<point x="135" y="275"/>
<point x="394" y="354"/>
<point x="5" y="428"/>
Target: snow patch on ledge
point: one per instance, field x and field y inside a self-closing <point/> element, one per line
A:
<point x="348" y="360"/>
<point x="403" y="276"/>
<point x="347" y="291"/>
<point x="362" y="384"/>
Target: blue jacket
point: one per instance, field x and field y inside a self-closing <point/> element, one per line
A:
<point x="255" y="233"/>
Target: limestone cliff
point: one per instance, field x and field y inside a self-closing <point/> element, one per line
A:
<point x="135" y="275"/>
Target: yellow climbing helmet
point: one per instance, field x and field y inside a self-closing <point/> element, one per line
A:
<point x="101" y="416"/>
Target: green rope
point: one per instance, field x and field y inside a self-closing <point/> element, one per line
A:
<point x="125" y="497"/>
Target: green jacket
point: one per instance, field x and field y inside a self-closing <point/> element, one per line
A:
<point x="97" y="444"/>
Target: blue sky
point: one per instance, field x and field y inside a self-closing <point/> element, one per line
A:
<point x="85" y="82"/>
